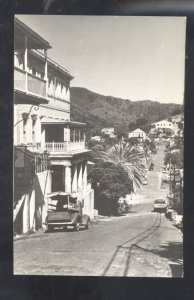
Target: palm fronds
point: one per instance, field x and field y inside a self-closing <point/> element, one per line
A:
<point x="129" y="157"/>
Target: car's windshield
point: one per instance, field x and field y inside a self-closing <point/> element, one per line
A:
<point x="73" y="200"/>
<point x="159" y="201"/>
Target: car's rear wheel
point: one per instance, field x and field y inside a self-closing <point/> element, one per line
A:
<point x="77" y="227"/>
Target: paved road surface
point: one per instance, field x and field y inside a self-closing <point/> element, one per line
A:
<point x="143" y="243"/>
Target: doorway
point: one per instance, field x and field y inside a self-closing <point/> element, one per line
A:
<point x="58" y="178"/>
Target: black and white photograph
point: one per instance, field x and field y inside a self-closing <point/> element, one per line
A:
<point x="98" y="140"/>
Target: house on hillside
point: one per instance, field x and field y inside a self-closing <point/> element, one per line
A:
<point x="164" y="124"/>
<point x="42" y="125"/>
<point x="96" y="138"/>
<point x="108" y="130"/>
<point x="137" y="133"/>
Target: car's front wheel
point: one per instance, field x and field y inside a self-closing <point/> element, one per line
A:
<point x="87" y="226"/>
<point x="49" y="228"/>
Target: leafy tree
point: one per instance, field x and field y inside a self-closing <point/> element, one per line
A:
<point x="180" y="125"/>
<point x="95" y="150"/>
<point x="178" y="143"/>
<point x="110" y="182"/>
<point x="132" y="126"/>
<point x="133" y="141"/>
<point x="92" y="143"/>
<point x="141" y="121"/>
<point x="168" y="131"/>
<point x="175" y="158"/>
<point x="150" y="145"/>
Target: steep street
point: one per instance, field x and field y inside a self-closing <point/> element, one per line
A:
<point x="143" y="243"/>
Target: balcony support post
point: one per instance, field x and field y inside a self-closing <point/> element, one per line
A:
<point x="74" y="135"/>
<point x="79" y="136"/>
<point x="68" y="179"/>
<point x="46" y="71"/>
<point x="42" y="136"/>
<point x="74" y="179"/>
<point x="85" y="176"/>
<point x="26" y="61"/>
<point x="80" y="177"/>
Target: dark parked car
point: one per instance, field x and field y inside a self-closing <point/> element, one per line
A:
<point x="160" y="205"/>
<point x="65" y="210"/>
<point x="151" y="167"/>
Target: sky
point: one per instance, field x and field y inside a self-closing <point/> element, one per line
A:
<point x="136" y="58"/>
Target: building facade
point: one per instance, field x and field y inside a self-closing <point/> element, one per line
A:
<point x="96" y="138"/>
<point x="108" y="130"/>
<point x="42" y="115"/>
<point x="137" y="133"/>
<point x="164" y="124"/>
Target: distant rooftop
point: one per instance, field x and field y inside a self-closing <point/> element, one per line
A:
<point x="138" y="130"/>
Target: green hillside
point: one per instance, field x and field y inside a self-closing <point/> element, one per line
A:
<point x="99" y="111"/>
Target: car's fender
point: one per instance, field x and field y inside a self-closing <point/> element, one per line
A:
<point x="85" y="219"/>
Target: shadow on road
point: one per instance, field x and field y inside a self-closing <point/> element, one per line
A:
<point x="173" y="251"/>
<point x="142" y="236"/>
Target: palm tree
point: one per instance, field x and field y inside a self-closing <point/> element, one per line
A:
<point x="129" y="157"/>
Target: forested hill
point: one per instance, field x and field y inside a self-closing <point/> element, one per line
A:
<point x="99" y="111"/>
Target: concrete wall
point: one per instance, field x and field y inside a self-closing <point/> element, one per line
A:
<point x="88" y="207"/>
<point x="33" y="211"/>
<point x="42" y="186"/>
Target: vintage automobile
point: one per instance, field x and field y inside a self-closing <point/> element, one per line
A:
<point x="151" y="167"/>
<point x="160" y="205"/>
<point x="65" y="210"/>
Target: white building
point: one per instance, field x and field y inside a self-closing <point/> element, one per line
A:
<point x="108" y="130"/>
<point x="96" y="138"/>
<point x="164" y="124"/>
<point x="137" y="133"/>
<point x="42" y="123"/>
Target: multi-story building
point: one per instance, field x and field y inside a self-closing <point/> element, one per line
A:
<point x="164" y="124"/>
<point x="42" y="114"/>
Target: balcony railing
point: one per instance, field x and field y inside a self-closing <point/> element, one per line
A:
<point x="29" y="83"/>
<point x="64" y="146"/>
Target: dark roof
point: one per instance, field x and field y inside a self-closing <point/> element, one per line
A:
<point x="47" y="120"/>
<point x="35" y="40"/>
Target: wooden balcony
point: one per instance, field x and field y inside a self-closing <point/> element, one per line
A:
<point x="64" y="146"/>
<point x="30" y="84"/>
